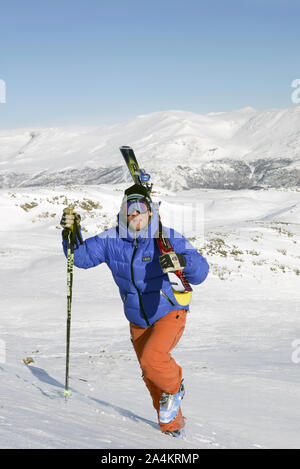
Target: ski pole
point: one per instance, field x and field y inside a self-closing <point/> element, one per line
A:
<point x="70" y="268"/>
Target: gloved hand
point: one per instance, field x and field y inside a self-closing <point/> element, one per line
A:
<point x="69" y="219"/>
<point x="172" y="261"/>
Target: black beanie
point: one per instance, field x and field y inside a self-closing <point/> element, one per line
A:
<point x="137" y="191"/>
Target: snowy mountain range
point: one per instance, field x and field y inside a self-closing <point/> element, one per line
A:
<point x="242" y="149"/>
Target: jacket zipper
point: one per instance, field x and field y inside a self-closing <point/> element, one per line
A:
<point x="132" y="278"/>
<point x="167" y="298"/>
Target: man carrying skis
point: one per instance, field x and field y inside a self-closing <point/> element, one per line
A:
<point x="156" y="319"/>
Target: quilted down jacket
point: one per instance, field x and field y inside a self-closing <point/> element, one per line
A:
<point x="133" y="260"/>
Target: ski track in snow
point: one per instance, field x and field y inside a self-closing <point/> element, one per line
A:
<point x="241" y="383"/>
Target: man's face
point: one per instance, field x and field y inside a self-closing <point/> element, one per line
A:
<point x="138" y="221"/>
<point x="138" y="215"/>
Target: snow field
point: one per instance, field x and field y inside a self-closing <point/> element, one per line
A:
<point x="236" y="352"/>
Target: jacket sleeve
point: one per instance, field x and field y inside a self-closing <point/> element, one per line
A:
<point x="89" y="254"/>
<point x="196" y="269"/>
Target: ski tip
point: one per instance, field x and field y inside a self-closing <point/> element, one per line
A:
<point x="125" y="147"/>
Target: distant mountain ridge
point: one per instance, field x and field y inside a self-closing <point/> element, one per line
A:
<point x="241" y="149"/>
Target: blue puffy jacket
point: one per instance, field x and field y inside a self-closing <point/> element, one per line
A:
<point x="133" y="260"/>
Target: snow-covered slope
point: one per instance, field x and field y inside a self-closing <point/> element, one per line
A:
<point x="239" y="149"/>
<point x="242" y="384"/>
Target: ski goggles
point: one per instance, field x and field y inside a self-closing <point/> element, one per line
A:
<point x="137" y="205"/>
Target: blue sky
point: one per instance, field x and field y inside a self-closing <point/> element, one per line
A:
<point x="90" y="62"/>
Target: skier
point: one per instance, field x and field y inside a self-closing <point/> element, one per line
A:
<point x="156" y="319"/>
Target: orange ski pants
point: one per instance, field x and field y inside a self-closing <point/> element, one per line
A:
<point x="160" y="371"/>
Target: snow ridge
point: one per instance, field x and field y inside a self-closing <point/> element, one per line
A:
<point x="242" y="149"/>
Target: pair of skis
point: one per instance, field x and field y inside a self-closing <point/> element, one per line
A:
<point x="181" y="287"/>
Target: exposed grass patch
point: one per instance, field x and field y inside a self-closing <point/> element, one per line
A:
<point x="282" y="251"/>
<point x="282" y="231"/>
<point x="222" y="272"/>
<point x="215" y="246"/>
<point x="252" y="252"/>
<point x="46" y="215"/>
<point x="28" y="206"/>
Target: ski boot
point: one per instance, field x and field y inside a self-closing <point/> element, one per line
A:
<point x="170" y="404"/>
<point x="176" y="433"/>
